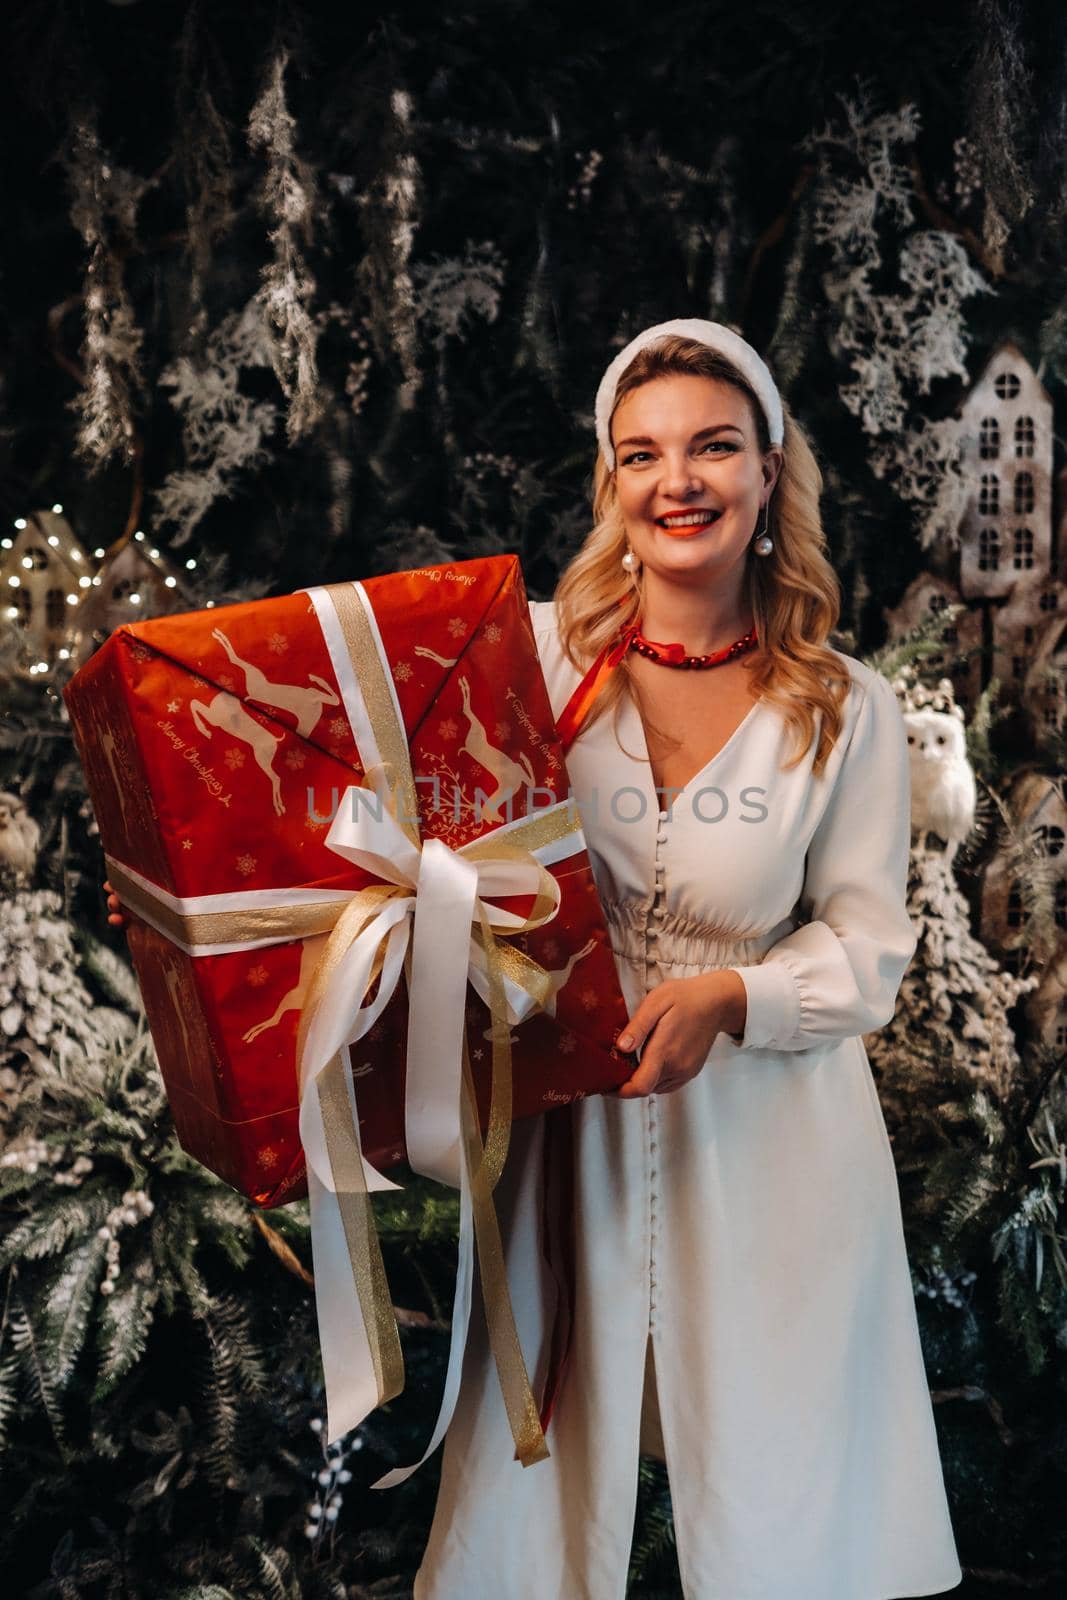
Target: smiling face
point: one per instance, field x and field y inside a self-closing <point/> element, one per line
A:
<point x="690" y="477"/>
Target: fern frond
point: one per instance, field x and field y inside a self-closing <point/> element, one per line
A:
<point x="36" y="1372"/>
<point x="122" y="1336"/>
<point x="69" y="1303"/>
<point x="9" y="1399"/>
<point x="51" y="1227"/>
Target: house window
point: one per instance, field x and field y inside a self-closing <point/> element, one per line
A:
<point x="1006" y="385"/>
<point x="1028" y="636"/>
<point x="1049" y="838"/>
<point x="1048" y="600"/>
<point x="121" y="589"/>
<point x="1023" y="552"/>
<point x="1024" y="436"/>
<point x="37" y="556"/>
<point x="989" y="439"/>
<point x="23" y="603"/>
<point x="55" y="608"/>
<point x="1016" y="915"/>
<point x="989" y="495"/>
<point x="950" y="635"/>
<point x="1061" y="904"/>
<point x="1024" y="492"/>
<point x="1061" y="1035"/>
<point x="988" y="550"/>
<point x="938" y="602"/>
<point x="1052" y="717"/>
<point x="1018" y="666"/>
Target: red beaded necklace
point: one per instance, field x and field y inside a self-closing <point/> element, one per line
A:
<point x="574" y="713"/>
<point x="674" y="655"/>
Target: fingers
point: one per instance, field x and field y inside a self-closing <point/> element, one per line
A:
<point x="646" y="1080"/>
<point x="645" y="1018"/>
<point x="116" y="917"/>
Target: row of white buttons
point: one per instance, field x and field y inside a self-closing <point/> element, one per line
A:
<point x="657" y="911"/>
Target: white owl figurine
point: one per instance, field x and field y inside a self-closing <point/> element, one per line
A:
<point x="943" y="793"/>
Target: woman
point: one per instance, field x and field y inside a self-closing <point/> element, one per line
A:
<point x="743" y="1299"/>
<point x="741" y="1267"/>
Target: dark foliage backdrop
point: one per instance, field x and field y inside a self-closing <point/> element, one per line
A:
<point x="297" y="293"/>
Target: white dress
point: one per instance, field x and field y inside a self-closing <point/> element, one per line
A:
<point x="748" y="1223"/>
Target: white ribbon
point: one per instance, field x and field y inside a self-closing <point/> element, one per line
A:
<point x="437" y="916"/>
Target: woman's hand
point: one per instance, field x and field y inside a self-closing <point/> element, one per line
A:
<point x="681" y="1019"/>
<point x="114" y="906"/>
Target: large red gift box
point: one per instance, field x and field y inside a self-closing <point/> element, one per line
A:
<point x="216" y="746"/>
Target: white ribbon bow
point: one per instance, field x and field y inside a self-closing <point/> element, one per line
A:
<point x="437" y="916"/>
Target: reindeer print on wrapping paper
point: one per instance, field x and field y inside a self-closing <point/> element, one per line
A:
<point x="305" y="704"/>
<point x="112" y="752"/>
<point x="294" y="999"/>
<point x="509" y="774"/>
<point x="309" y="956"/>
<point x="227" y="713"/>
<point x="175" y="981"/>
<point x="558" y="977"/>
<point x="431" y="655"/>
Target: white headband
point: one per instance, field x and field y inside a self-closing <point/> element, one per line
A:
<point x="716" y="337"/>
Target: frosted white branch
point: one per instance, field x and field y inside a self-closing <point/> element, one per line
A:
<point x="289" y="195"/>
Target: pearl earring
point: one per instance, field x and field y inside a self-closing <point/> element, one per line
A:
<point x="764" y="544"/>
<point x="629" y="561"/>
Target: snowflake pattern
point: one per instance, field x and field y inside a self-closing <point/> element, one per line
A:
<point x="550" y="950"/>
<point x="268" y="1157"/>
<point x="140" y="654"/>
<point x="295" y="759"/>
<point x="338" y="728"/>
<point x="502" y="730"/>
<point x="277" y="644"/>
<point x="187" y="844"/>
<point x="173" y="705"/>
<point x="258" y="975"/>
<point x="234" y="758"/>
<point x="457" y="627"/>
<point x="402" y="671"/>
<point x="246" y="865"/>
<point x="226" y="681"/>
<point x="588" y="999"/>
<point x="567" y="1042"/>
<point x="494" y="632"/>
<point x="448" y="729"/>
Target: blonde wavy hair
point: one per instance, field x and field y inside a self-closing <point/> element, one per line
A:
<point x="793" y="595"/>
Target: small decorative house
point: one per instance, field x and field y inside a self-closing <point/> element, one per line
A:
<point x="1036" y="606"/>
<point x="134" y="582"/>
<point x="1007" y="454"/>
<point x="1046" y="1008"/>
<point x="1044" y="696"/>
<point x="46" y="575"/>
<point x="961" y="659"/>
<point x="1037" y="806"/>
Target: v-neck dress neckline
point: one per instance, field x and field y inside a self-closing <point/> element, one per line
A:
<point x="722" y="751"/>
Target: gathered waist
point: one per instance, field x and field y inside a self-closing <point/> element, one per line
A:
<point x="644" y="930"/>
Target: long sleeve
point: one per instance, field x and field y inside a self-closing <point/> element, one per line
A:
<point x="837" y="975"/>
